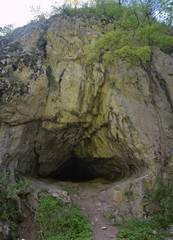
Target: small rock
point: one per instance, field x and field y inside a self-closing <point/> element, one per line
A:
<point x="170" y="230"/>
<point x="112" y="236"/>
<point x="104" y="228"/>
<point x="98" y="204"/>
<point x="64" y="193"/>
<point x="96" y="220"/>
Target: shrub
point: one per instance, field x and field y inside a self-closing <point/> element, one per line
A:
<point x="9" y="201"/>
<point x="107" y="8"/>
<point x="33" y="49"/>
<point x="128" y="192"/>
<point x="135" y="229"/>
<point x="159" y="200"/>
<point x="135" y="32"/>
<point x="160" y="206"/>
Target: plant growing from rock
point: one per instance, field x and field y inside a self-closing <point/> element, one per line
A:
<point x="159" y="202"/>
<point x="160" y="207"/>
<point x="11" y="187"/>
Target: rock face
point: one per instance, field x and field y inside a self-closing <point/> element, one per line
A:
<point x="60" y="116"/>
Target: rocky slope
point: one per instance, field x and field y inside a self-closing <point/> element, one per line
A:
<point x="60" y="113"/>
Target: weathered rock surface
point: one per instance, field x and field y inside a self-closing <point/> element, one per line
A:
<point x="59" y="113"/>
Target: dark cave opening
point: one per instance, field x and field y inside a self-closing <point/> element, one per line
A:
<point x="74" y="171"/>
<point x="91" y="169"/>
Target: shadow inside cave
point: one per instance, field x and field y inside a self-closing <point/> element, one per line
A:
<point x="84" y="170"/>
<point x="74" y="171"/>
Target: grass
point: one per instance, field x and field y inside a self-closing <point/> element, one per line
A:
<point x="128" y="193"/>
<point x="59" y="221"/>
<point x="136" y="229"/>
<point x="66" y="187"/>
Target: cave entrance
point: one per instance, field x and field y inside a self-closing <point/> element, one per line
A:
<point x="74" y="171"/>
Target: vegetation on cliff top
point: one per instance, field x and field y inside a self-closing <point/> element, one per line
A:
<point x="136" y="27"/>
<point x="158" y="9"/>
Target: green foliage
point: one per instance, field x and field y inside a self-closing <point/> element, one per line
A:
<point x="50" y="76"/>
<point x="42" y="41"/>
<point x="160" y="204"/>
<point x="9" y="199"/>
<point x="135" y="229"/>
<point x="163" y="9"/>
<point x="6" y="30"/>
<point x="107" y="8"/>
<point x="119" y="43"/>
<point x="44" y="190"/>
<point x="66" y="187"/>
<point x="128" y="192"/>
<point x="40" y="46"/>
<point x="169" y="13"/>
<point x="130" y="46"/>
<point x="136" y="31"/>
<point x="15" y="74"/>
<point x="59" y="221"/>
<point x="38" y="14"/>
<point x="33" y="49"/>
<point x="144" y="10"/>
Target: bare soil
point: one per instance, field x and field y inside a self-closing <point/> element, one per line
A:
<point x="95" y="206"/>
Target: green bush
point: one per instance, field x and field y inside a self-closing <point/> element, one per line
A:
<point x="159" y="200"/>
<point x="128" y="193"/>
<point x="9" y="200"/>
<point x="6" y="30"/>
<point x="59" y="221"/>
<point x="135" y="32"/>
<point x="160" y="207"/>
<point x="130" y="43"/>
<point x="33" y="49"/>
<point x="107" y="8"/>
<point x="135" y="229"/>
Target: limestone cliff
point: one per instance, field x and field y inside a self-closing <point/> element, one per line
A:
<point x="58" y="112"/>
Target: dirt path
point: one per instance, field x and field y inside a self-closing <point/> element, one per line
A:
<point x="93" y="200"/>
<point x="95" y="205"/>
